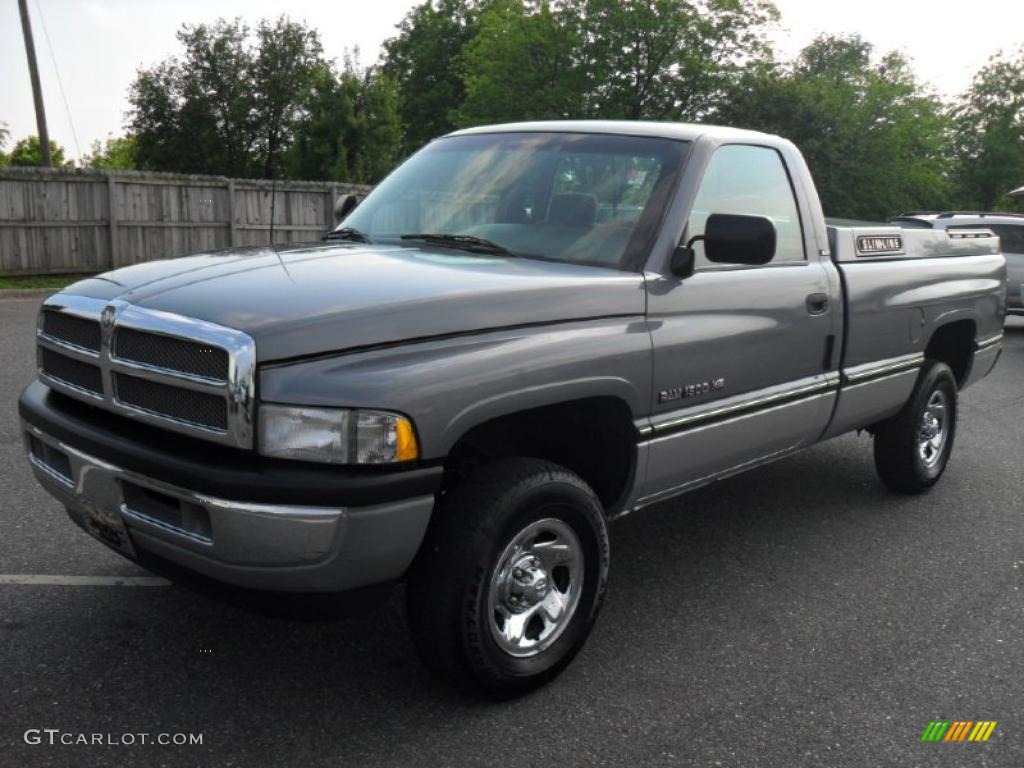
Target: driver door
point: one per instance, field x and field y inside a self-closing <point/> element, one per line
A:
<point x="741" y="353"/>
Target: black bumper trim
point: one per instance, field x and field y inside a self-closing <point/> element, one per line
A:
<point x="213" y="469"/>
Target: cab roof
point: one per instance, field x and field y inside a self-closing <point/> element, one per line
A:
<point x="677" y="131"/>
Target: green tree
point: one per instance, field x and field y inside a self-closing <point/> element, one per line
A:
<point x="229" y="104"/>
<point x="523" y="65"/>
<point x="288" y="55"/>
<point x="668" y="59"/>
<point x="350" y="130"/>
<point x="626" y="59"/>
<point x="116" y="153"/>
<point x="989" y="135"/>
<point x="377" y="146"/>
<point x="5" y="134"/>
<point x="425" y="60"/>
<point x="26" y="152"/>
<point x="875" y="140"/>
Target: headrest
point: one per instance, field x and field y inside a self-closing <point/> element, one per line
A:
<point x="572" y="209"/>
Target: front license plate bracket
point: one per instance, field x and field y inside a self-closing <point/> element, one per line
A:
<point x="109" y="528"/>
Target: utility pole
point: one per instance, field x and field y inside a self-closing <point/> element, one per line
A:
<point x="37" y="91"/>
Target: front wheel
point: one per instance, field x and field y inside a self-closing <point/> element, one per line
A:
<point x="913" y="447"/>
<point x="510" y="577"/>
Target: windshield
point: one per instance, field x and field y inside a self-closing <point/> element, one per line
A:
<point x="584" y="198"/>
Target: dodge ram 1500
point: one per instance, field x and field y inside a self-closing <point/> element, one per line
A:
<point x="523" y="332"/>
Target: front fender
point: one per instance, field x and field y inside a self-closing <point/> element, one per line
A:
<point x="448" y="386"/>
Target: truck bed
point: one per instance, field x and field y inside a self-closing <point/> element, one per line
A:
<point x="897" y="286"/>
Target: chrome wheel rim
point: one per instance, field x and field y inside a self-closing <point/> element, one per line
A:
<point x="933" y="429"/>
<point x="535" y="588"/>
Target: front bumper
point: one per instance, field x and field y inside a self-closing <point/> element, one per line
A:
<point x="287" y="547"/>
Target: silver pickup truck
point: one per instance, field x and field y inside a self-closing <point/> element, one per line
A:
<point x="523" y="332"/>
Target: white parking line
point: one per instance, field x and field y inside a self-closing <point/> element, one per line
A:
<point x="30" y="579"/>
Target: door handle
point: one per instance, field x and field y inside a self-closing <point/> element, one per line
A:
<point x="817" y="304"/>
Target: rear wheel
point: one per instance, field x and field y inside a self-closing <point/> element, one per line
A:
<point x="912" y="448"/>
<point x="510" y="577"/>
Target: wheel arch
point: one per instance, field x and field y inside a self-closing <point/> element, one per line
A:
<point x="952" y="342"/>
<point x="594" y="436"/>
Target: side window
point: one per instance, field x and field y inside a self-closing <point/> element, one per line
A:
<point x="752" y="181"/>
<point x="1011" y="237"/>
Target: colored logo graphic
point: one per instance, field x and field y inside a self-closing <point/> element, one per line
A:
<point x="958" y="730"/>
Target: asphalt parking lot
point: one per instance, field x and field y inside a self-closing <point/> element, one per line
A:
<point x="798" y="615"/>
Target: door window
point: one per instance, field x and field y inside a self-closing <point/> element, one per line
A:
<point x="1011" y="237"/>
<point x="749" y="180"/>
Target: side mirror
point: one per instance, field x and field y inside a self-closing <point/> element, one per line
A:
<point x="733" y="239"/>
<point x="344" y="205"/>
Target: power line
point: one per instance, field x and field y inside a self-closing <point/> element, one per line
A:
<point x="60" y="84"/>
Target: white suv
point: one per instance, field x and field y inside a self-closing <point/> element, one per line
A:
<point x="1008" y="226"/>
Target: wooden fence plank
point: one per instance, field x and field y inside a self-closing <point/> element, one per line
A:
<point x="112" y="218"/>
<point x="232" y="222"/>
<point x="87" y="220"/>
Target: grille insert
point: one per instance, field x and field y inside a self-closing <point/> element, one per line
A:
<point x="171" y="354"/>
<point x="74" y="372"/>
<point x="198" y="408"/>
<point x="72" y="330"/>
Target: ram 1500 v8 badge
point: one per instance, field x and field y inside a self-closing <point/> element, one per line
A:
<point x="522" y="333"/>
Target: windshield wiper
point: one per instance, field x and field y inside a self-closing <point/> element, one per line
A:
<point x="348" y="233"/>
<point x="462" y="242"/>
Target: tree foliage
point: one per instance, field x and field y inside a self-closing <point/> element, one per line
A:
<point x="874" y="139"/>
<point x="199" y="113"/>
<point x="425" y="61"/>
<point x="116" y="153"/>
<point x="26" y="152"/>
<point x="626" y="59"/>
<point x="989" y="135"/>
<point x="667" y="59"/>
<point x="522" y="65"/>
<point x="247" y="102"/>
<point x="350" y="129"/>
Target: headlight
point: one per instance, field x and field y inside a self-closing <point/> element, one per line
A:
<point x="336" y="435"/>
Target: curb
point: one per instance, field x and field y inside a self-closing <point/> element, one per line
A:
<point x="27" y="293"/>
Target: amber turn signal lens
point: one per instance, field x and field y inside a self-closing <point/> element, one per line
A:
<point x="406" y="449"/>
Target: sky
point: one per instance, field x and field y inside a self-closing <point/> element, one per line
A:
<point x="99" y="44"/>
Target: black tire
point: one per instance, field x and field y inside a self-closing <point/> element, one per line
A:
<point x="449" y="587"/>
<point x="898" y="453"/>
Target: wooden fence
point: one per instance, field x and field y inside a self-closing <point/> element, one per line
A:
<point x="86" y="220"/>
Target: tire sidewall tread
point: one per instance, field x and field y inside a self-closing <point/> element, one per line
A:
<point x="895" y="446"/>
<point x="447" y="584"/>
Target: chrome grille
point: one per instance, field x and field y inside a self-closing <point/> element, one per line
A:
<point x="72" y="330"/>
<point x="171" y="354"/>
<point x="73" y="372"/>
<point x="198" y="408"/>
<point x="176" y="372"/>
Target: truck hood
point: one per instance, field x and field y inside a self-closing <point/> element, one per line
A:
<point x="309" y="299"/>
